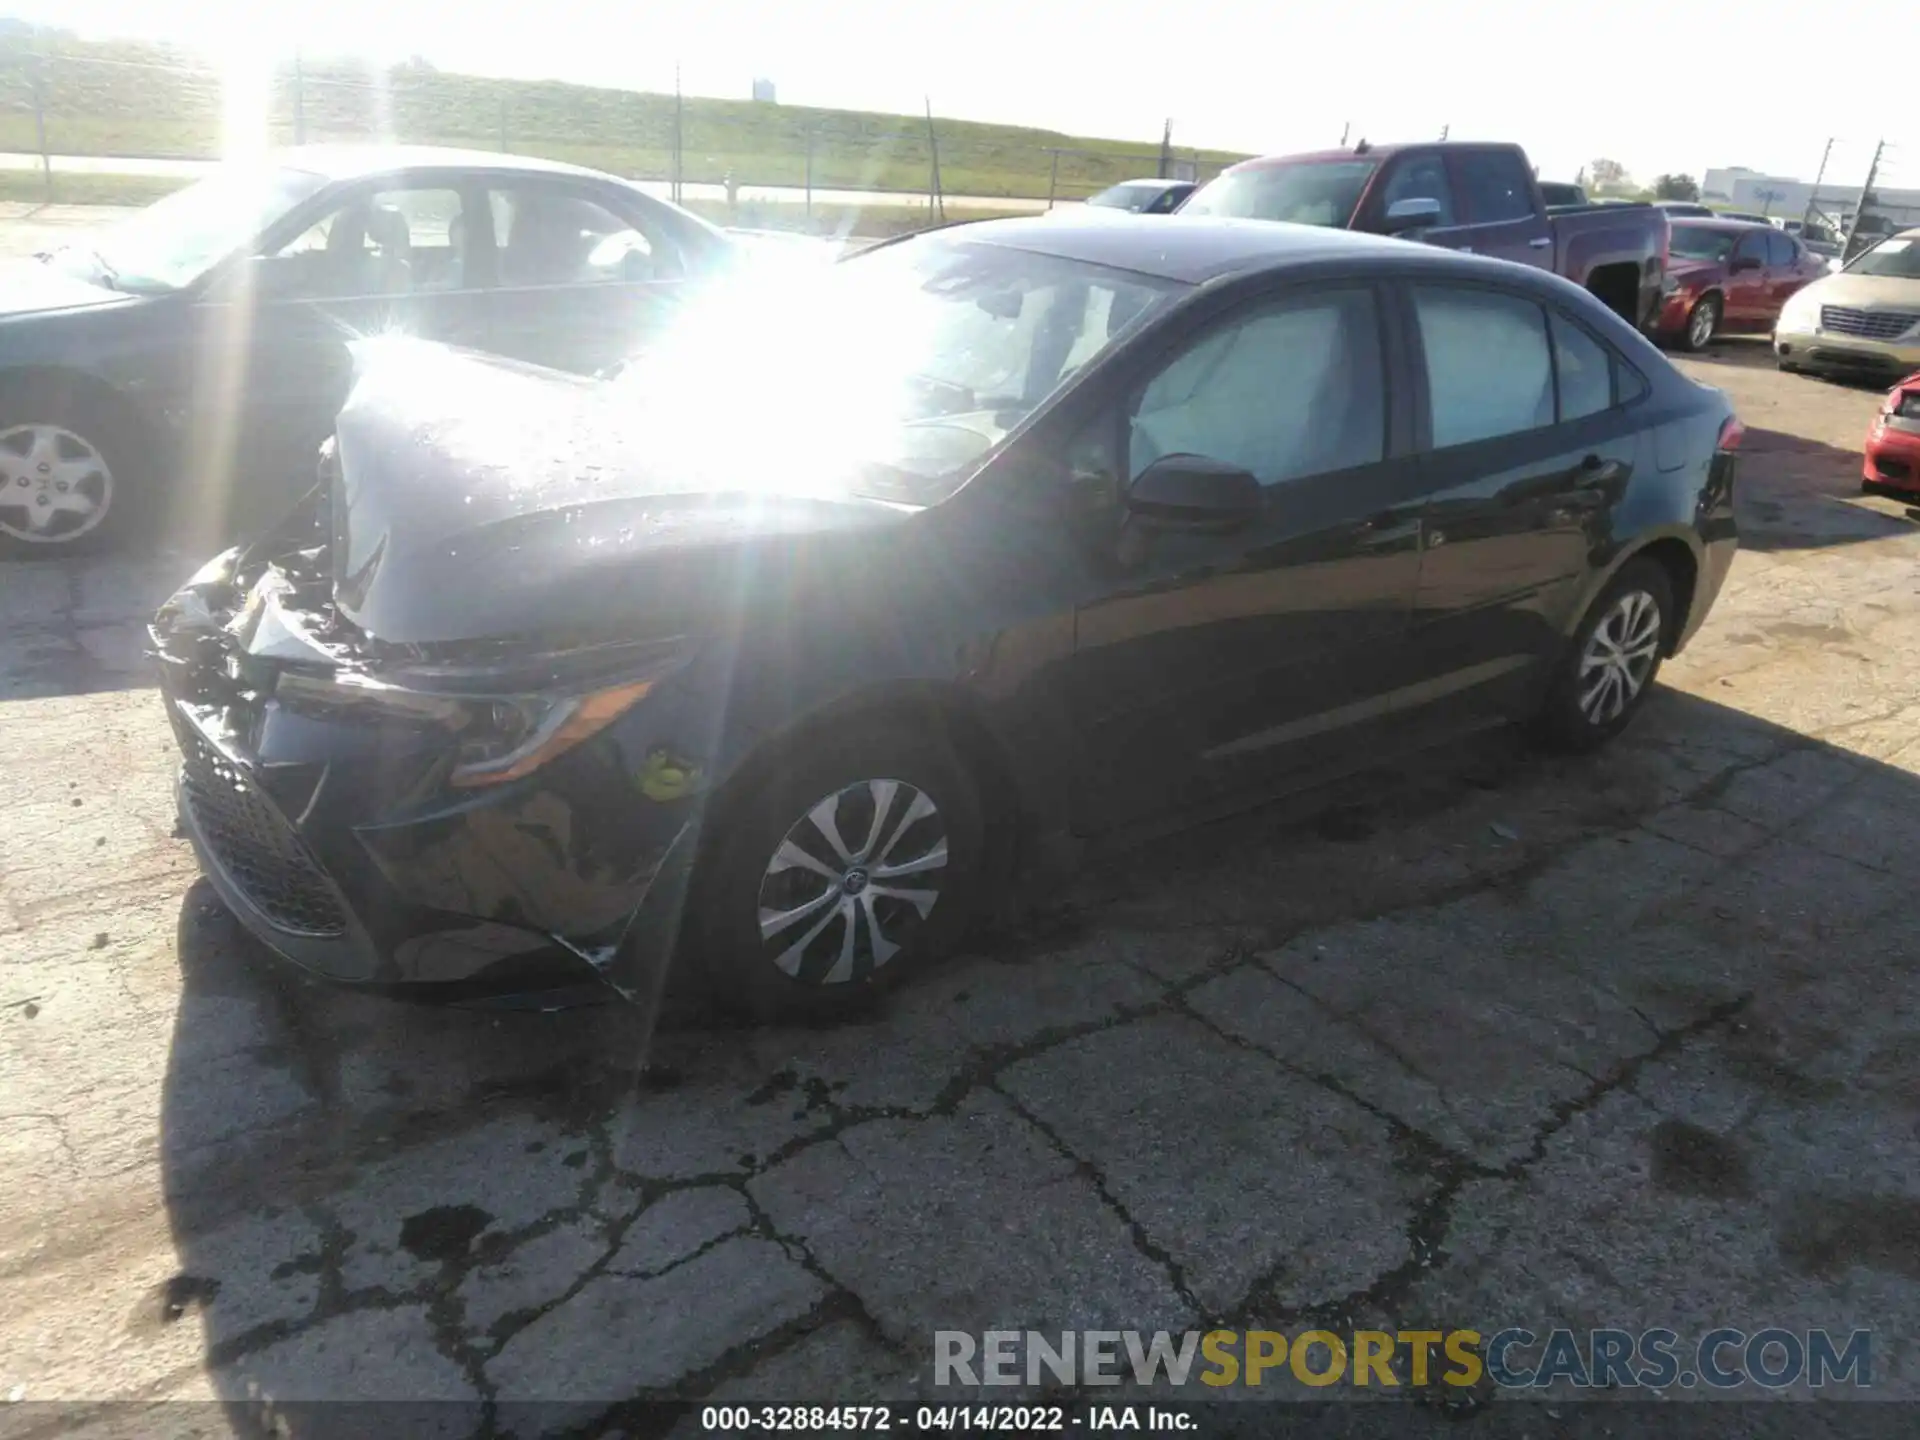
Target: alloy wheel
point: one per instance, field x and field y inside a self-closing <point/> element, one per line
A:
<point x="1619" y="656"/>
<point x="1700" y="325"/>
<point x="852" y="880"/>
<point x="55" y="486"/>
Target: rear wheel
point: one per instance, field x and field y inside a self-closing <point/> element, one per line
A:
<point x="856" y="860"/>
<point x="1609" y="669"/>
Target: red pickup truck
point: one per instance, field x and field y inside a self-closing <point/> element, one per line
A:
<point x="1465" y="196"/>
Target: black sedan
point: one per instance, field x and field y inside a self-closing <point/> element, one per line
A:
<point x="851" y="604"/>
<point x="200" y="346"/>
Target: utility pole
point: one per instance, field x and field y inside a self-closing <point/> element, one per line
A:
<point x="1860" y="209"/>
<point x="1813" y="200"/>
<point x="299" y="100"/>
<point x="1345" y="127"/>
<point x="678" y="139"/>
<point x="936" y="201"/>
<point x="1166" y="150"/>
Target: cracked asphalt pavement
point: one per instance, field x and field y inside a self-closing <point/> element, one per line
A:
<point x="1631" y="1040"/>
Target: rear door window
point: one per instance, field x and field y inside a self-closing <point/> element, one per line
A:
<point x="1781" y="251"/>
<point x="1489" y="364"/>
<point x="1498" y="188"/>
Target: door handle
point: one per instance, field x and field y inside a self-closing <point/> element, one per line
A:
<point x="1378" y="532"/>
<point x="1541" y="243"/>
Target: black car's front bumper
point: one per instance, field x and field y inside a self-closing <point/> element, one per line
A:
<point x="333" y="838"/>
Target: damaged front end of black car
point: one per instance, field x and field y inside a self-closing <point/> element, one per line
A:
<point x="501" y="804"/>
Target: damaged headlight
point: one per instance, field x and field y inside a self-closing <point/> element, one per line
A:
<point x="515" y="737"/>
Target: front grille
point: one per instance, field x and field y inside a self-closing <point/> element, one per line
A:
<point x="1867" y="324"/>
<point x="256" y="846"/>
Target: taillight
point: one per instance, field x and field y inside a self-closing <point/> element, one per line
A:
<point x="1732" y="432"/>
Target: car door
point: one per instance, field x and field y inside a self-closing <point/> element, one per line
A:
<point x="384" y="258"/>
<point x="1747" y="282"/>
<point x="1215" y="662"/>
<point x="580" y="275"/>
<point x="1526" y="452"/>
<point x="1502" y="218"/>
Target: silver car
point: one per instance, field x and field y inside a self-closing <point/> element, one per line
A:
<point x="1862" y="321"/>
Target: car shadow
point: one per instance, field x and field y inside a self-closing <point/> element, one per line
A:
<point x="78" y="626"/>
<point x="371" y="1199"/>
<point x="1799" y="494"/>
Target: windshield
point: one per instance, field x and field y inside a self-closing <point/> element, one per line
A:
<point x="892" y="374"/>
<point x="1320" y="192"/>
<point x="1898" y="259"/>
<point x="1697" y="242"/>
<point x="1130" y="195"/>
<point x="175" y="241"/>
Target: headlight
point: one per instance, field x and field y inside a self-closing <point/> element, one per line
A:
<point x="1801" y="312"/>
<point x="497" y="738"/>
<point x="516" y="737"/>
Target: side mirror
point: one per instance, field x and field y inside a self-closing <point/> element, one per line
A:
<point x="1742" y="263"/>
<point x="1194" y="492"/>
<point x="1414" y="213"/>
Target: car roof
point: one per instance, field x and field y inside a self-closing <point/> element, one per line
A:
<point x="349" y="162"/>
<point x="1193" y="249"/>
<point x="1148" y="182"/>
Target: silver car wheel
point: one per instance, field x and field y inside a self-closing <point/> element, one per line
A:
<point x="1700" y="325"/>
<point x="851" y="881"/>
<point x="55" y="486"/>
<point x="1619" y="656"/>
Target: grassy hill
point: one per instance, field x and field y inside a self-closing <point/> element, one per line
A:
<point x="129" y="98"/>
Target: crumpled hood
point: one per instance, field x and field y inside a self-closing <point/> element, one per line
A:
<point x="33" y="287"/>
<point x="477" y="498"/>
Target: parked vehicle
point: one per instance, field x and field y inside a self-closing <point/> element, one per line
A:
<point x="1746" y="216"/>
<point x="1480" y="198"/>
<point x="204" y="338"/>
<point x="1863" y="321"/>
<point x="1144" y="197"/>
<point x="854" y="602"/>
<point x="1893" y="442"/>
<point x="1730" y="276"/>
<point x="1816" y="238"/>
<point x="1688" y="209"/>
<point x="1558" y="195"/>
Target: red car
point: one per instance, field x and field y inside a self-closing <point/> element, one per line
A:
<point x="1893" y="441"/>
<point x="1729" y="276"/>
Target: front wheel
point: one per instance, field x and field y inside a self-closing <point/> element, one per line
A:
<point x="1610" y="667"/>
<point x="853" y="860"/>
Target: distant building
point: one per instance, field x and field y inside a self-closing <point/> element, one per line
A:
<point x="1739" y="188"/>
<point x="763" y="90"/>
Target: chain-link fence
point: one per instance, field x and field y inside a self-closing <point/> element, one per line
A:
<point x="75" y="105"/>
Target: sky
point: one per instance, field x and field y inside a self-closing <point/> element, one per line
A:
<point x="1660" y="85"/>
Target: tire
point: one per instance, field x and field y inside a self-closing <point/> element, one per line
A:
<point x="67" y="485"/>
<point x="1703" y="324"/>
<point x="848" y="936"/>
<point x="1578" y="718"/>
